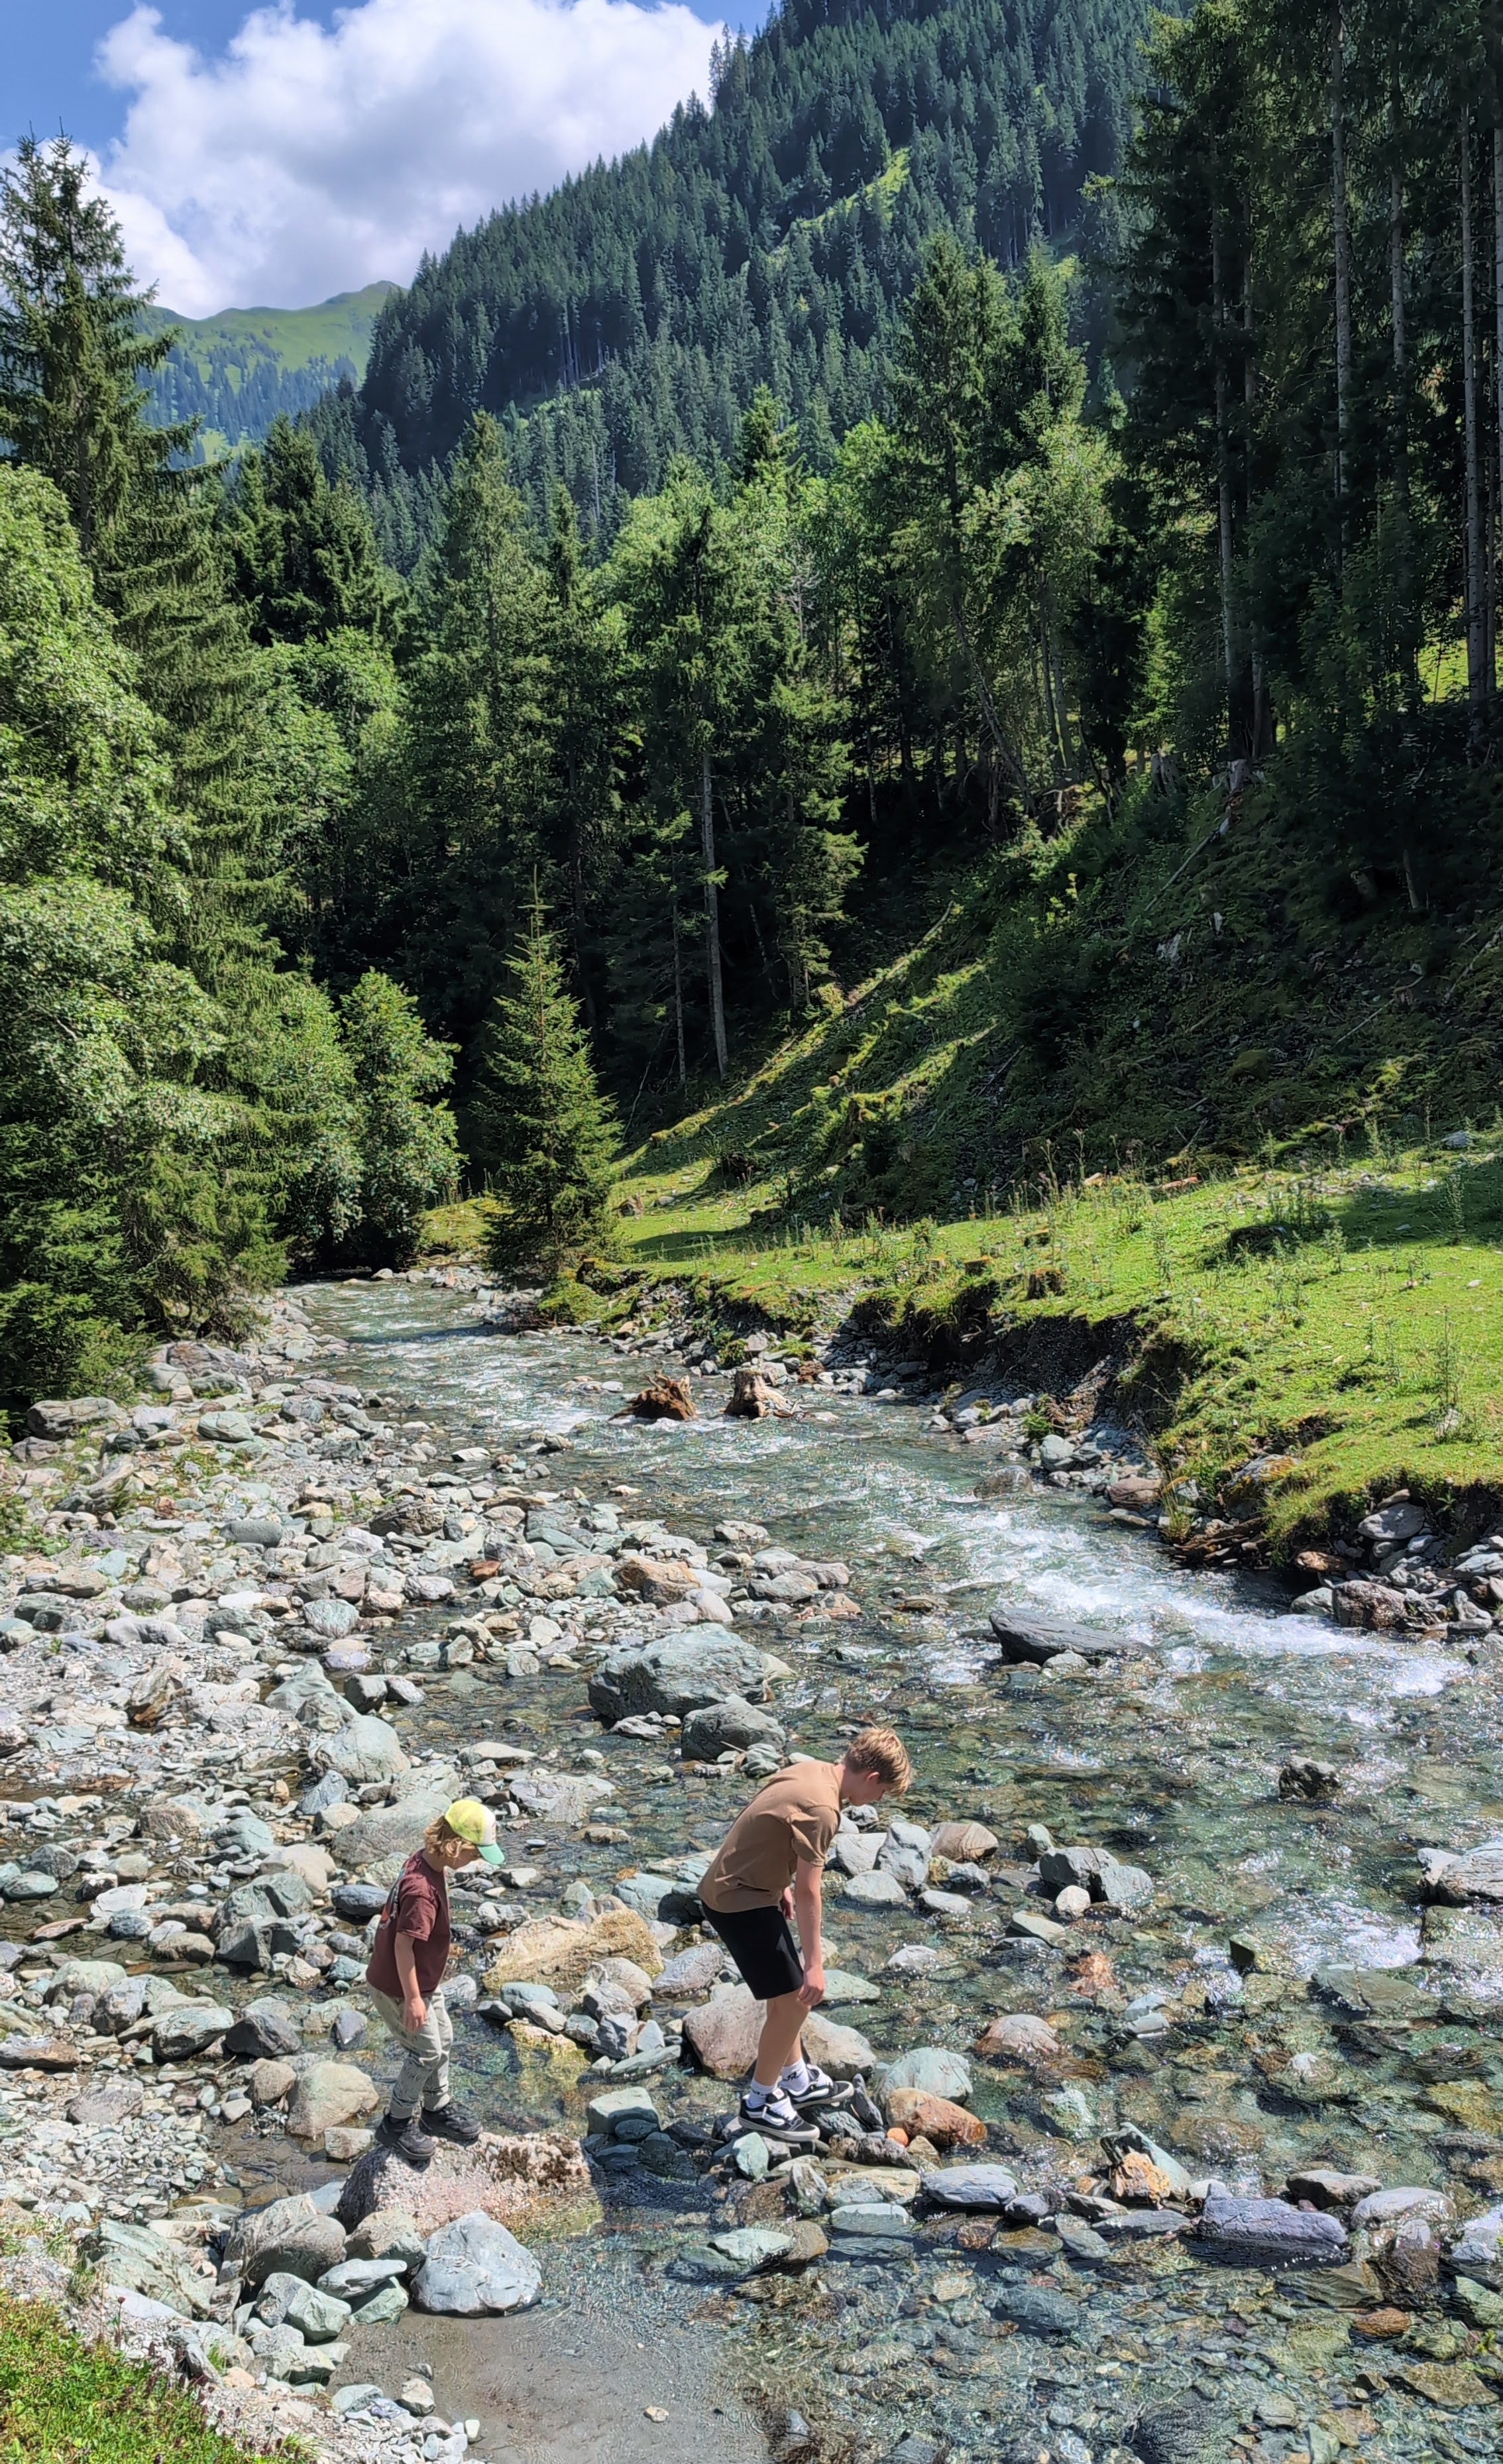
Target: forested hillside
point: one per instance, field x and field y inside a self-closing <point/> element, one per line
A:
<point x="1057" y="768"/>
<point x="234" y="373"/>
<point x="768" y="240"/>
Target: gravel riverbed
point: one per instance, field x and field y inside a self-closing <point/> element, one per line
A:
<point x="1172" y="1991"/>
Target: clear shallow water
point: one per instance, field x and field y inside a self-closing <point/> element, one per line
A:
<point x="1171" y="1758"/>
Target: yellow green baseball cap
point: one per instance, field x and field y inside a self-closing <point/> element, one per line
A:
<point x="469" y="1820"/>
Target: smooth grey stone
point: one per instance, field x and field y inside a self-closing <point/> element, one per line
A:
<point x="1037" y="2311"/>
<point x="985" y="2186"/>
<point x="1040" y="1639"/>
<point x="475" y="2267"/>
<point x="1270" y="2233"/>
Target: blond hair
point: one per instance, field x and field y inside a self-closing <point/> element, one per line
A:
<point x="443" y="1844"/>
<point x="882" y="1751"/>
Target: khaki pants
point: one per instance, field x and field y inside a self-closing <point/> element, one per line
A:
<point x="424" y="2077"/>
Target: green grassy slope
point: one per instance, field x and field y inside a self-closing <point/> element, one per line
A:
<point x="1160" y="1089"/>
<point x="337" y="328"/>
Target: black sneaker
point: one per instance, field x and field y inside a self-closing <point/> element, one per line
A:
<point x="407" y="2140"/>
<point x="450" y="2121"/>
<point x="822" y="2091"/>
<point x="774" y="2117"/>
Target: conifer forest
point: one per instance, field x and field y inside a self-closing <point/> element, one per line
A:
<point x="980" y="459"/>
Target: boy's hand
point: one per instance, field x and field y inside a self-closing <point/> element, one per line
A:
<point x="813" y="1989"/>
<point x="415" y="2009"/>
<point x="786" y="1904"/>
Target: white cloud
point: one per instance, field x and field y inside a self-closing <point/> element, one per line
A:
<point x="307" y="159"/>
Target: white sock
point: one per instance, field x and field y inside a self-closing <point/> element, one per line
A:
<point x="795" y="2080"/>
<point x="757" y="2094"/>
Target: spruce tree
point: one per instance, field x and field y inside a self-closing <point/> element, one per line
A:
<point x="539" y="1127"/>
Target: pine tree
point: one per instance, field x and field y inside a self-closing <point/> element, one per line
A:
<point x="540" y="1128"/>
<point x="304" y="552"/>
<point x="73" y="353"/>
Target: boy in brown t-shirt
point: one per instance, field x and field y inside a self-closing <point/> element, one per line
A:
<point x="767" y="1869"/>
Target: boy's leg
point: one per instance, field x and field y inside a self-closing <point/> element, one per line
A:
<point x="435" y="2085"/>
<point x="424" y="2054"/>
<point x="779" y="2042"/>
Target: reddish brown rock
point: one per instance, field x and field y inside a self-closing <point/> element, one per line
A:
<point x="913" y="2110"/>
<point x="663" y="1398"/>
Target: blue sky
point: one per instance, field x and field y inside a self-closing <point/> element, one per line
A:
<point x="279" y="156"/>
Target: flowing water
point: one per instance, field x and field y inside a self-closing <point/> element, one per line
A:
<point x="1170" y="1757"/>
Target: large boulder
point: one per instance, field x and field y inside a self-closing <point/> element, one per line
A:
<point x="678" y="1676"/>
<point x="1096" y="1871"/>
<point x="1020" y="2036"/>
<point x="326" y="2095"/>
<point x="565" y="1798"/>
<point x="475" y="2268"/>
<point x="561" y="1950"/>
<point x="265" y="2028"/>
<point x="722" y="2036"/>
<point x="731" y="1726"/>
<point x="64" y="1419"/>
<point x="397" y="1829"/>
<point x="189" y="2029"/>
<point x="139" y="2260"/>
<point x="364" y="1750"/>
<point x="538" y="2179"/>
<point x="1024" y="1633"/>
<point x="290" y="2237"/>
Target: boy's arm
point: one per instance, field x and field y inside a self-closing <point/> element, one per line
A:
<point x="808" y="1912"/>
<point x="415" y="2009"/>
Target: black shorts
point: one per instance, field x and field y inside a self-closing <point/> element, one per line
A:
<point x="760" y="1942"/>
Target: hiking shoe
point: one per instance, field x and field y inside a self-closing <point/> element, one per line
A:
<point x="776" y="2117"/>
<point x="407" y="2140"/>
<point x="450" y="2121"/>
<point x="818" y="2088"/>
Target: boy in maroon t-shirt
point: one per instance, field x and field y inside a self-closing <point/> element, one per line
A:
<point x="406" y="1976"/>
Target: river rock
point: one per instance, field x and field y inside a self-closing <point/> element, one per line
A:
<point x="1475" y="1874"/>
<point x="388" y="2234"/>
<point x="1478" y="2250"/>
<point x="1097" y="1871"/>
<point x="1027" y="1636"/>
<point x="933" y="2070"/>
<point x="142" y="2261"/>
<point x="1270" y="2232"/>
<point x="692" y="1971"/>
<point x="265" y="2028"/>
<point x="934" y="2118"/>
<point x="734" y="1724"/>
<point x="291" y="2300"/>
<point x="722" y="2036"/>
<point x="963" y="1844"/>
<point x="1393" y="1525"/>
<point x="270" y="2082"/>
<point x="290" y="2236"/>
<point x="663" y="1398"/>
<point x="1019" y="2037"/>
<point x="473" y="2268"/>
<point x="397" y="1829"/>
<point x="662" y="1582"/>
<point x="566" y="1799"/>
<point x="753" y="1398"/>
<point x="1324" y="2187"/>
<point x="327" y="2093"/>
<point x="362" y="1751"/>
<point x="64" y="1419"/>
<point x="106" y="2107"/>
<point x="189" y="2029"/>
<point x="877" y="2220"/>
<point x="1038" y="2311"/>
<point x="874" y="1890"/>
<point x="677" y="1676"/>
<point x="561" y="1950"/>
<point x="990" y="2188"/>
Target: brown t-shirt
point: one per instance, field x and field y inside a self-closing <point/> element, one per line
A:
<point x="788" y="1823"/>
<point x="418" y="1905"/>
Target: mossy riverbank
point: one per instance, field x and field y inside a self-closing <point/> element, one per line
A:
<point x="1348" y="1314"/>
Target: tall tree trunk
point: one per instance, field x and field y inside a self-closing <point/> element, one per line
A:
<point x="1223" y="472"/>
<point x="1476" y="677"/>
<point x="711" y="910"/>
<point x="678" y="1003"/>
<point x="1497" y="339"/>
<point x="1258" y="675"/>
<point x="1399" y="445"/>
<point x="1341" y="250"/>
